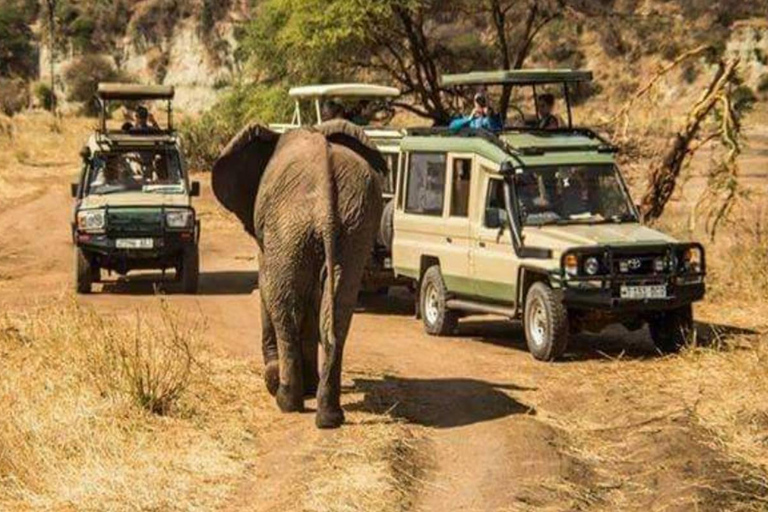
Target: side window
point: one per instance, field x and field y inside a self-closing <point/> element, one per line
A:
<point x="462" y="170"/>
<point x="389" y="180"/>
<point x="426" y="184"/>
<point x="401" y="180"/>
<point x="494" y="200"/>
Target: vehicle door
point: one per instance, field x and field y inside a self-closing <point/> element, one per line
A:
<point x="493" y="262"/>
<point x="422" y="228"/>
<point x="454" y="258"/>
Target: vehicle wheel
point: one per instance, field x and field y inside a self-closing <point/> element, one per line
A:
<point x="83" y="272"/>
<point x="671" y="330"/>
<point x="546" y="323"/>
<point x="438" y="319"/>
<point x="190" y="269"/>
<point x="386" y="226"/>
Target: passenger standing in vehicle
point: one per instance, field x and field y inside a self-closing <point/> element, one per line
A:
<point x="548" y="120"/>
<point x="482" y="117"/>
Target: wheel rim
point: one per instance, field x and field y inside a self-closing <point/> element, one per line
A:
<point x="431" y="305"/>
<point x="537" y="324"/>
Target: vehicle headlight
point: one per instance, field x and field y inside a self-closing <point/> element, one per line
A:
<point x="91" y="220"/>
<point x="178" y="219"/>
<point x="591" y="266"/>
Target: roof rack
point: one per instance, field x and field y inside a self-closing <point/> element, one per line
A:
<point x="604" y="147"/>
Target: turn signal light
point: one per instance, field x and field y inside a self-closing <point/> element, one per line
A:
<point x="571" y="264"/>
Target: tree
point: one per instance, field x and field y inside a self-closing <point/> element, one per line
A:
<point x="409" y="42"/>
<point x="51" y="4"/>
<point x="17" y="57"/>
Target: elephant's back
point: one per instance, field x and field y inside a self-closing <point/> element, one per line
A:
<point x="358" y="188"/>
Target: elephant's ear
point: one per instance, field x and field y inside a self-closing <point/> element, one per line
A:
<point x="354" y="137"/>
<point x="238" y="170"/>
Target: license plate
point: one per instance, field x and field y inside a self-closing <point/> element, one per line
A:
<point x="134" y="243"/>
<point x="644" y="292"/>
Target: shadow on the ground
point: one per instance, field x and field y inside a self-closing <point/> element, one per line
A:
<point x="440" y="403"/>
<point x="209" y="283"/>
<point x="396" y="301"/>
<point x="614" y="342"/>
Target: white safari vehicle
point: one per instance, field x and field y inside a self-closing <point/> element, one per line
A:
<point x="537" y="225"/>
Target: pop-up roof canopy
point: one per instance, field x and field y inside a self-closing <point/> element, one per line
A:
<point x="111" y="91"/>
<point x="117" y="91"/>
<point x="316" y="93"/>
<point x="518" y="77"/>
<point x="344" y="90"/>
<point x="523" y="77"/>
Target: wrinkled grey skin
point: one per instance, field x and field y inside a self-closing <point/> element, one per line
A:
<point x="312" y="200"/>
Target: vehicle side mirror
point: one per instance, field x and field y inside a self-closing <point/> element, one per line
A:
<point x="194" y="190"/>
<point x="73" y="189"/>
<point x="85" y="153"/>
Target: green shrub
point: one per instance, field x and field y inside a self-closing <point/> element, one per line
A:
<point x="44" y="95"/>
<point x="83" y="76"/>
<point x="205" y="136"/>
<point x="14" y="95"/>
<point x="17" y="55"/>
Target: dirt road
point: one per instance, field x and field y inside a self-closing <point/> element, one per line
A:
<point x="605" y="428"/>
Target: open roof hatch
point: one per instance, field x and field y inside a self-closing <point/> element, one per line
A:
<point x="523" y="77"/>
<point x="110" y="91"/>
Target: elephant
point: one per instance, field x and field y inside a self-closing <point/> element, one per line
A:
<point x="311" y="198"/>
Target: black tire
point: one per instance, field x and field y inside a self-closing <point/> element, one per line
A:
<point x="672" y="330"/>
<point x="545" y="323"/>
<point x="84" y="272"/>
<point x="190" y="270"/>
<point x="386" y="229"/>
<point x="438" y="319"/>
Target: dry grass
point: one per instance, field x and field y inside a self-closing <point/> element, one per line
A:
<point x="103" y="414"/>
<point x="73" y="435"/>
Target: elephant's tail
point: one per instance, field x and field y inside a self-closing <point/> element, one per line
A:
<point x="329" y="231"/>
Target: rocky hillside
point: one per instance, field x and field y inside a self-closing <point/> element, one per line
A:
<point x="193" y="44"/>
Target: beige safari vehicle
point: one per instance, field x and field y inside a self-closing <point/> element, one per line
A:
<point x="311" y="106"/>
<point x="133" y="201"/>
<point x="535" y="225"/>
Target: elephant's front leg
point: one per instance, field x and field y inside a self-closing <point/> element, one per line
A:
<point x="269" y="350"/>
<point x="310" y="341"/>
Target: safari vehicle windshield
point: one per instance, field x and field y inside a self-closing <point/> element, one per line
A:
<point x="573" y="194"/>
<point x="150" y="171"/>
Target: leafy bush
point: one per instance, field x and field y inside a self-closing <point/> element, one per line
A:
<point x="44" y="95"/>
<point x="83" y="76"/>
<point x="14" y="95"/>
<point x="205" y="136"/>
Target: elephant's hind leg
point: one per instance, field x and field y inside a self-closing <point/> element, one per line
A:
<point x="310" y="344"/>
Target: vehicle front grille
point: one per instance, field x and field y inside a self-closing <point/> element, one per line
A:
<point x="637" y="264"/>
<point x="134" y="222"/>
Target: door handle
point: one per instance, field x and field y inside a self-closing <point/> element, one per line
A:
<point x="449" y="240"/>
<point x="481" y="244"/>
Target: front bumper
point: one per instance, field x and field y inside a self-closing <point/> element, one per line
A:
<point x="609" y="299"/>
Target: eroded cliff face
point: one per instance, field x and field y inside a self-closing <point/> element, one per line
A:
<point x="749" y="42"/>
<point x="200" y="65"/>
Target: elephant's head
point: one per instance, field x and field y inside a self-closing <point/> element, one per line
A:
<point x="238" y="170"/>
